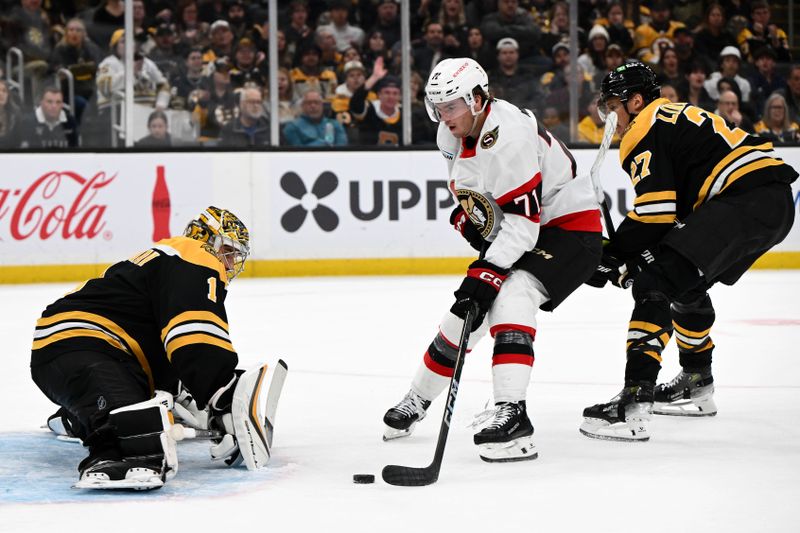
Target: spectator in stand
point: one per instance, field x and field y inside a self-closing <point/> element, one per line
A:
<point x="237" y="18"/>
<point x="555" y="84"/>
<point x="515" y="22"/>
<point x="141" y="35"/>
<point x="729" y="61"/>
<point x="310" y="75"/>
<point x="299" y="34"/>
<point x="251" y="127"/>
<point x="713" y="36"/>
<point x="479" y="50"/>
<point x="591" y="128"/>
<point x="620" y="29"/>
<point x="669" y="92"/>
<point x="669" y="68"/>
<point x="158" y="136"/>
<point x="346" y="34"/>
<point x="213" y="10"/>
<point x="558" y="31"/>
<point x="286" y="104"/>
<point x="330" y="58"/>
<point x="10" y="119"/>
<point x="388" y="22"/>
<point x="245" y="69"/>
<point x="430" y="50"/>
<point x="693" y="90"/>
<point x="614" y="57"/>
<point x="775" y="124"/>
<point x="350" y="54"/>
<point x="166" y="54"/>
<point x="551" y="119"/>
<point x="379" y="122"/>
<point x="684" y="48"/>
<point x="376" y="47"/>
<point x="312" y="128"/>
<point x="651" y="38"/>
<point x="188" y="81"/>
<point x="76" y="53"/>
<point x="104" y="20"/>
<point x="219" y="105"/>
<point x="192" y="32"/>
<point x="34" y="39"/>
<point x="423" y="129"/>
<point x="455" y="27"/>
<point x="728" y="108"/>
<point x="761" y="32"/>
<point x="765" y="80"/>
<point x="221" y="42"/>
<point x="512" y="81"/>
<point x="593" y="60"/>
<point x="791" y="92"/>
<point x="51" y="126"/>
<point x="354" y="77"/>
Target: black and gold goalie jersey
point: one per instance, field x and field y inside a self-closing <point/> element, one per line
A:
<point x="163" y="307"/>
<point x="680" y="156"/>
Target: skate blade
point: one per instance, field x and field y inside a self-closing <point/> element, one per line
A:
<point x="521" y="449"/>
<point x="390" y="433"/>
<point x="620" y="431"/>
<point x="697" y="407"/>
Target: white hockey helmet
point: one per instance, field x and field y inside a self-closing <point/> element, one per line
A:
<point x="451" y="80"/>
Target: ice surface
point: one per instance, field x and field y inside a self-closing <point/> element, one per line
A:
<point x="352" y="345"/>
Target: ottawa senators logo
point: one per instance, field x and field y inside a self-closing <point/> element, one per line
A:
<point x="489" y="138"/>
<point x="482" y="211"/>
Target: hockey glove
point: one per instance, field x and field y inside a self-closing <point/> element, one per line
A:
<point x="621" y="274"/>
<point x="462" y="224"/>
<point x="481" y="285"/>
<point x="186" y="411"/>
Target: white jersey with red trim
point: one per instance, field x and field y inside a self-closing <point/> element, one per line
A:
<point x="517" y="168"/>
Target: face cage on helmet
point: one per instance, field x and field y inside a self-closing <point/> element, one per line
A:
<point x="236" y="257"/>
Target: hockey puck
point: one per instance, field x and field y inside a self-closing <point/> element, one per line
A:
<point x="363" y="478"/>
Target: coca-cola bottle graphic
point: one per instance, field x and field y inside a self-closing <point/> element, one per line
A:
<point x="161" y="206"/>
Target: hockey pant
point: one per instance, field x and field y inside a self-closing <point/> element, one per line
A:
<point x="511" y="322"/>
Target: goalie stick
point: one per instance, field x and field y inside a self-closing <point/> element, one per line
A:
<point x="408" y="476"/>
<point x="594" y="173"/>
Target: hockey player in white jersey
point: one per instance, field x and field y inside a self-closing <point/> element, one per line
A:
<point x="518" y="199"/>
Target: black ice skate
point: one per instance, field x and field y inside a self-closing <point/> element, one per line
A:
<point x="624" y="418"/>
<point x="690" y="393"/>
<point x="136" y="473"/>
<point x="508" y="436"/>
<point x="401" y="419"/>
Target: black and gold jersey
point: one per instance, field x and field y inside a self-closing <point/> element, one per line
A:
<point x="165" y="307"/>
<point x="680" y="156"/>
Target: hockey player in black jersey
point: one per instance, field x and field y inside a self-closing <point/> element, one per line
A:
<point x="107" y="350"/>
<point x="710" y="200"/>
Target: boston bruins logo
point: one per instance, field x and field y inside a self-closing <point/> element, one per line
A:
<point x="489" y="138"/>
<point x="481" y="210"/>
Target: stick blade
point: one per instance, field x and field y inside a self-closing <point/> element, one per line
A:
<point x="407" y="476"/>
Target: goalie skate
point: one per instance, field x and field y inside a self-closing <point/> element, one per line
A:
<point x="123" y="474"/>
<point x="690" y="393"/>
<point x="625" y="418"/>
<point x="508" y="437"/>
<point x="401" y="419"/>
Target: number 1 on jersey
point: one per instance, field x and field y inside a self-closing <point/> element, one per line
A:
<point x="212" y="289"/>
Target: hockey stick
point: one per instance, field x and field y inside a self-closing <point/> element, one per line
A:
<point x="408" y="476"/>
<point x="594" y="173"/>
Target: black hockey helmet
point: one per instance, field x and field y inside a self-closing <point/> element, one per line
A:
<point x="627" y="80"/>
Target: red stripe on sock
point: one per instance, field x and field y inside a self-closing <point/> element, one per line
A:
<point x="436" y="368"/>
<point x="497" y="328"/>
<point x="512" y="359"/>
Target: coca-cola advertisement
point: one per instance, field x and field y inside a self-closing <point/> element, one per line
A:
<point x="96" y="209"/>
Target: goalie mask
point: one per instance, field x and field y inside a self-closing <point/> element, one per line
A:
<point x="448" y="93"/>
<point x="225" y="235"/>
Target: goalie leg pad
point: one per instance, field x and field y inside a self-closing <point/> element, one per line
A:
<point x="248" y="421"/>
<point x="148" y="453"/>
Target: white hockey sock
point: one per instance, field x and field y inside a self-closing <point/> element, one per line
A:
<point x="428" y="384"/>
<point x="510" y="382"/>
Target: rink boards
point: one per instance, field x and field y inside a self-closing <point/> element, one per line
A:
<point x="67" y="216"/>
